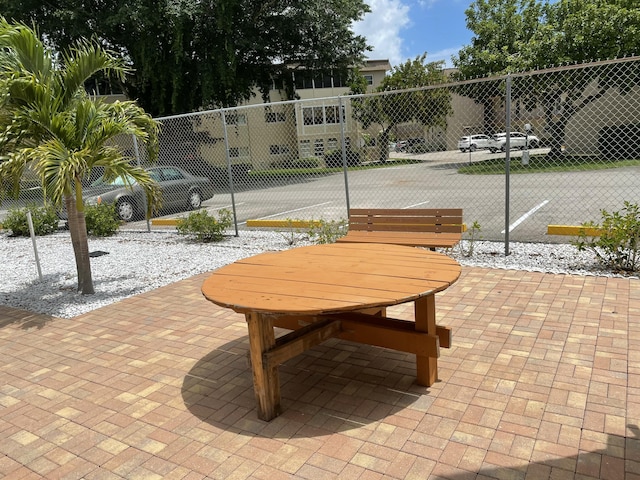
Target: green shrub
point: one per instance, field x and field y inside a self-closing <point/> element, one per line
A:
<point x="290" y="163"/>
<point x="473" y="234"/>
<point x="619" y="241"/>
<point x="204" y="227"/>
<point x="45" y="220"/>
<point x="293" y="233"/>
<point x="102" y="220"/>
<point x="323" y="231"/>
<point x="333" y="159"/>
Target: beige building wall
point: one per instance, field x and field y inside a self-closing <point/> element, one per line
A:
<point x="266" y="135"/>
<point x="467" y="119"/>
<point x="612" y="109"/>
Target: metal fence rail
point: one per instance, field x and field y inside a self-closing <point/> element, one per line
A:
<point x="572" y="149"/>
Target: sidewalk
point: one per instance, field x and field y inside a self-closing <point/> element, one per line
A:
<point x="542" y="382"/>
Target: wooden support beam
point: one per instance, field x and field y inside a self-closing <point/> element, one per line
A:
<point x="401" y="340"/>
<point x="295" y="322"/>
<point x="266" y="382"/>
<point x="296" y="342"/>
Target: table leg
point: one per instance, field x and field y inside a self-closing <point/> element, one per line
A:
<point x="425" y="318"/>
<point x="266" y="382"/>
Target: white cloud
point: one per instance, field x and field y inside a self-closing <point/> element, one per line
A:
<point x="382" y="26"/>
<point x="445" y="55"/>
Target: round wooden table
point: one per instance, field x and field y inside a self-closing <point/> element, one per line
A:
<point x="334" y="290"/>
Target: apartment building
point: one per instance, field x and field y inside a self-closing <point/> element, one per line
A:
<point x="280" y="133"/>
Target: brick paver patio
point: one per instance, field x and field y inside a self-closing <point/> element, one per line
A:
<point x="542" y="382"/>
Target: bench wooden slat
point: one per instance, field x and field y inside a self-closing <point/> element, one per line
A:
<point x="403" y="212"/>
<point x="420" y="227"/>
<point x="412" y="227"/>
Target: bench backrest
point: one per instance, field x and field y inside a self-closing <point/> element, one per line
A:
<point x="435" y="220"/>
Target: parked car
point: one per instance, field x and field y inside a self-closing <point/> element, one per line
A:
<point x="517" y="140"/>
<point x="474" y="142"/>
<point x="401" y="145"/>
<point x="180" y="191"/>
<point x="412" y="145"/>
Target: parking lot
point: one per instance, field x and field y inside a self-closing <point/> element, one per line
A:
<point x="534" y="200"/>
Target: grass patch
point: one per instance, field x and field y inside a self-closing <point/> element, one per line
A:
<point x="543" y="163"/>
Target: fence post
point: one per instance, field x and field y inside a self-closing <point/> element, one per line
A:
<point x="136" y="150"/>
<point x="507" y="164"/>
<point x="344" y="153"/>
<point x="229" y="172"/>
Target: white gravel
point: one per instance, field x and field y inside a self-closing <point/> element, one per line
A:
<point x="136" y="262"/>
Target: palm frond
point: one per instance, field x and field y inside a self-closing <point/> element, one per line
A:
<point x="83" y="61"/>
<point x="11" y="170"/>
<point x="24" y="50"/>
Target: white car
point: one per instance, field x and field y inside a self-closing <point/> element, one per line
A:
<point x="474" y="142"/>
<point x="517" y="140"/>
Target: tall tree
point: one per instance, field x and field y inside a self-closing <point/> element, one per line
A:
<point x="538" y="35"/>
<point x="502" y="30"/>
<point x="575" y="31"/>
<point x="50" y="125"/>
<point x="205" y="53"/>
<point x="401" y="99"/>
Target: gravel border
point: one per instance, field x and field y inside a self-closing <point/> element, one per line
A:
<point x="136" y="262"/>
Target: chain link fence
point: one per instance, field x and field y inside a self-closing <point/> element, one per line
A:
<point x="516" y="152"/>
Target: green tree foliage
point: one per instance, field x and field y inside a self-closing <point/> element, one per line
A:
<point x="49" y="125"/>
<point x="199" y="54"/>
<point x="522" y="35"/>
<point x="502" y="29"/>
<point x="401" y="99"/>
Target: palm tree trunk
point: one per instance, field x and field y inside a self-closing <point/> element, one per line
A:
<point x="78" y="230"/>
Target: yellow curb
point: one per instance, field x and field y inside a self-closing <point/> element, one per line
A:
<point x="573" y="230"/>
<point x="166" y="222"/>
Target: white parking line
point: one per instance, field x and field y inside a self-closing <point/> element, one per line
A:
<point x="290" y="211"/>
<point x="525" y="216"/>
<point x="416" y="204"/>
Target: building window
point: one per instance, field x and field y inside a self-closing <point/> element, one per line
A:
<point x="305" y="149"/>
<point x="303" y="79"/>
<point x="369" y="79"/>
<point x="318" y="115"/>
<point x="339" y="81"/>
<point x="332" y="144"/>
<point x="238" y="152"/>
<point x="317" y="79"/>
<point x="235" y="119"/>
<point x="321" y="115"/>
<point x="274" y="117"/>
<point x="318" y="147"/>
<point x="278" y="149"/>
<point x="332" y="114"/>
<point x="307" y="115"/>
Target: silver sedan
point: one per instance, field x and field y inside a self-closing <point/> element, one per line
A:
<point x="179" y="189"/>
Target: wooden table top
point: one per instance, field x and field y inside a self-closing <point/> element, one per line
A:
<point x="330" y="278"/>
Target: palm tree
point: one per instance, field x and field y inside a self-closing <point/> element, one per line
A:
<point x="48" y="123"/>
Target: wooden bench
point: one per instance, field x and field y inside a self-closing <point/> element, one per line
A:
<point x="415" y="227"/>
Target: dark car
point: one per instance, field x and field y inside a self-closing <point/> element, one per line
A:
<point x="180" y="191"/>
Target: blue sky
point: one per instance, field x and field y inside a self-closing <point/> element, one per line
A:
<point x="399" y="30"/>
